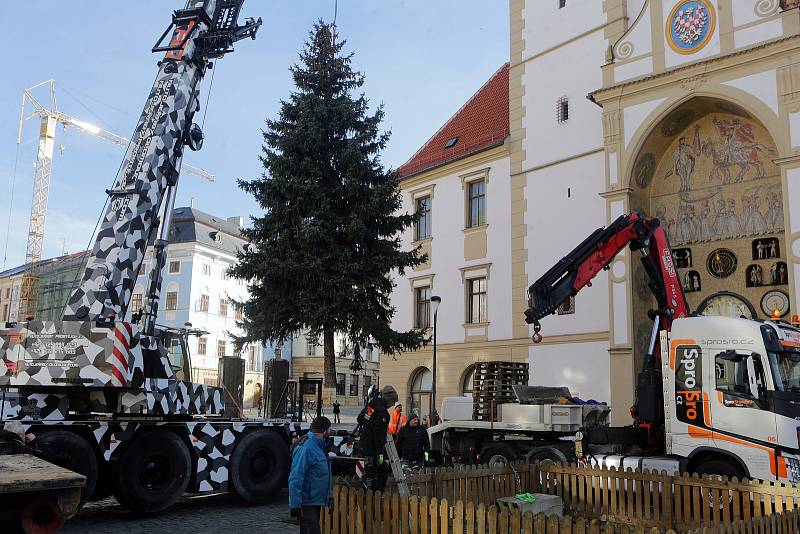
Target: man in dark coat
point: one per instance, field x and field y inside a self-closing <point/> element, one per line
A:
<point x="412" y="441"/>
<point x="374" y="422"/>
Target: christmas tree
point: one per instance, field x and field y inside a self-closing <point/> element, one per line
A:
<point x="322" y="254"/>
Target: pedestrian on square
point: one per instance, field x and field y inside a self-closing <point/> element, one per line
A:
<point x="412" y="442"/>
<point x="310" y="480"/>
<point x="337" y="409"/>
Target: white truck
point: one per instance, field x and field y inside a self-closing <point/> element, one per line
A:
<point x="716" y="395"/>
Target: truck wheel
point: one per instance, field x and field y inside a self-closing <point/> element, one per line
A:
<point x="259" y="466"/>
<point x="70" y="451"/>
<point x="499" y="454"/>
<point x="41" y="516"/>
<point x="721" y="467"/>
<point x="152" y="473"/>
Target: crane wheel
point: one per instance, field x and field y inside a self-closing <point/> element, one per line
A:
<point x="259" y="466"/>
<point x="70" y="451"/>
<point x="152" y="473"/>
<point x="41" y="516"/>
<point x="499" y="454"/>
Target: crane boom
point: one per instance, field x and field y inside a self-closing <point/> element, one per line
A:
<point x="204" y="29"/>
<point x="577" y="269"/>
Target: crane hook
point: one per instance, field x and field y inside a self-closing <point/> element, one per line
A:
<point x="536" y="337"/>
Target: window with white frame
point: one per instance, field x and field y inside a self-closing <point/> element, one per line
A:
<point x="476" y="300"/>
<point x="476" y="203"/>
<point x="422" y="307"/>
<point x="201" y="345"/>
<point x="562" y="4"/>
<point x="206" y="269"/>
<point x="422" y="230"/>
<point x="223" y="307"/>
<point x="174" y="267"/>
<point x="220" y="349"/>
<point x="204" y="300"/>
<point x="172" y="301"/>
<point x="237" y="310"/>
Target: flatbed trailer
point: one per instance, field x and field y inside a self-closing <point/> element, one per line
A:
<point x="36" y="494"/>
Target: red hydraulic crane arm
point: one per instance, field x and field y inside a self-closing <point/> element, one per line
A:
<point x="577" y="269"/>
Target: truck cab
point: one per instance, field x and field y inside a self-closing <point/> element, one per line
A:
<point x="732" y="396"/>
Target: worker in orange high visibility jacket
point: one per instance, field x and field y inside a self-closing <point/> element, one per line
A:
<point x="398" y="420"/>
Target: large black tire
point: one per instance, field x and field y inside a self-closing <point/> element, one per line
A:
<point x="152" y="473"/>
<point x="259" y="466"/>
<point x="717" y="466"/>
<point x="70" y="451"/>
<point x="499" y="453"/>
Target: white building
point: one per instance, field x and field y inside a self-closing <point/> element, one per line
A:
<point x="714" y="82"/>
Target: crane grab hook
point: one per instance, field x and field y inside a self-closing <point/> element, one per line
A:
<point x="536" y="337"/>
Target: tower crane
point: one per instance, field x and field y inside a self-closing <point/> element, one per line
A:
<point x="50" y="118"/>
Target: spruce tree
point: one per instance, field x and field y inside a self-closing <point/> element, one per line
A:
<point x="323" y="252"/>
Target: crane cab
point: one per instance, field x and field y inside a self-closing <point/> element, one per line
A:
<point x="732" y="394"/>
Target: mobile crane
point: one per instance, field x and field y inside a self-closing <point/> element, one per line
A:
<point x="715" y="395"/>
<point x="113" y="400"/>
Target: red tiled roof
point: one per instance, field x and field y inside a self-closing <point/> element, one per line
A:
<point x="480" y="124"/>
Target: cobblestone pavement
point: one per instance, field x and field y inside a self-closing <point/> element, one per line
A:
<point x="218" y="514"/>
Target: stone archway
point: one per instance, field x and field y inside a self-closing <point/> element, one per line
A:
<point x="707" y="171"/>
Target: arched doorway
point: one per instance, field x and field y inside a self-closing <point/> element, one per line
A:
<point x="466" y="386"/>
<point x="420" y="391"/>
<point x="706" y="171"/>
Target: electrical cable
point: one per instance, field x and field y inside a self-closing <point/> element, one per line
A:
<point x="84" y="106"/>
<point x="10" y="206"/>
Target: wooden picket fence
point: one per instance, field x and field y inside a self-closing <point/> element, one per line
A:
<point x="635" y="498"/>
<point x="362" y="512"/>
<point x="787" y="522"/>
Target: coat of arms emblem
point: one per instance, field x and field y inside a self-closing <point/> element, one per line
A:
<point x="690" y="26"/>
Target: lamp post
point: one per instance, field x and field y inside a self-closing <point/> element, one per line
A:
<point x="435" y="301"/>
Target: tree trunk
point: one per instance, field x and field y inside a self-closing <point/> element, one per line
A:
<point x="329" y="359"/>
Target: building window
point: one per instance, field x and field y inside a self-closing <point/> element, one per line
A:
<point x="251" y="357"/>
<point x="467" y="381"/>
<point x="136" y="302"/>
<point x="238" y="311"/>
<point x="174" y="267"/>
<point x="225" y="274"/>
<point x="562" y="4"/>
<point x="206" y="269"/>
<point x="340" y="377"/>
<point x="354" y="385"/>
<point x="5" y="312"/>
<point x="367" y="384"/>
<point x="172" y="300"/>
<point x="476" y="300"/>
<point x="220" y="349"/>
<point x="204" y="303"/>
<point x="423" y="228"/>
<point x="421" y="383"/>
<point x="476" y="203"/>
<point x="223" y="307"/>
<point x="422" y="298"/>
<point x="562" y="109"/>
<point x="201" y="345"/>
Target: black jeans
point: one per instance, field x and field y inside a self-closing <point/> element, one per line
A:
<point x="309" y="520"/>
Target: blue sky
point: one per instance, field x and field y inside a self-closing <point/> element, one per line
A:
<point x="422" y="59"/>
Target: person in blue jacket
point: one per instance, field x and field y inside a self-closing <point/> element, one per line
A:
<point x="310" y="480"/>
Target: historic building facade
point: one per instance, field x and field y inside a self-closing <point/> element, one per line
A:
<point x="693" y="117"/>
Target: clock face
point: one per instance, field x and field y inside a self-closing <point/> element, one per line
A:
<point x="775" y="300"/>
<point x="727" y="305"/>
<point x="721" y="263"/>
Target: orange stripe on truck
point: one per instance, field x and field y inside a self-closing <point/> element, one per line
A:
<point x="674" y="345"/>
<point x="702" y="433"/>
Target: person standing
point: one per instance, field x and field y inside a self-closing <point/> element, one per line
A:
<point x="412" y="442"/>
<point x="398" y="420"/>
<point x="337" y="409"/>
<point x="310" y="480"/>
<point x="374" y="421"/>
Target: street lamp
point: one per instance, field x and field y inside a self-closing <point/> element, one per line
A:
<point x="435" y="301"/>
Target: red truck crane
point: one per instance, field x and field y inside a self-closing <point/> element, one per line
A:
<point x="716" y="395"/>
